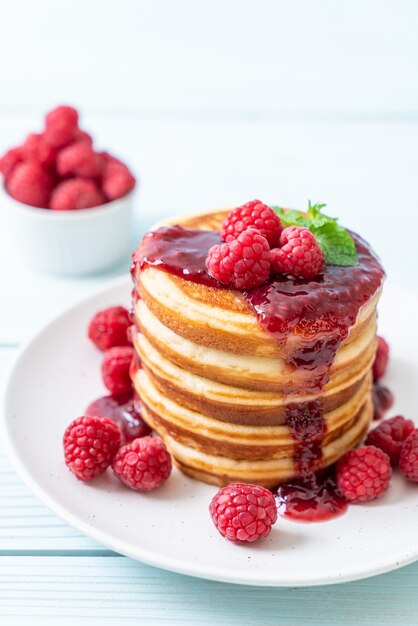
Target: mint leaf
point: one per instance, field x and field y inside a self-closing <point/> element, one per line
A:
<point x="290" y="217"/>
<point x="314" y="210"/>
<point x="335" y="242"/>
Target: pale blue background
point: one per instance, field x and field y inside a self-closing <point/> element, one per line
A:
<point x="212" y="103"/>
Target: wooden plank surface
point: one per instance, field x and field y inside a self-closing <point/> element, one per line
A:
<point x="121" y="591"/>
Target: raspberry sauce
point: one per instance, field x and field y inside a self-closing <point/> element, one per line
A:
<point x="179" y="251"/>
<point x="124" y="410"/>
<point x="326" y="305"/>
<point x="320" y="311"/>
<point x="308" y="427"/>
<point x="314" y="498"/>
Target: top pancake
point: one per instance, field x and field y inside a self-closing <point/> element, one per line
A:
<point x="221" y="318"/>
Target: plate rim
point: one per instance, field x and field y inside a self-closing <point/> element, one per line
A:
<point x="125" y="548"/>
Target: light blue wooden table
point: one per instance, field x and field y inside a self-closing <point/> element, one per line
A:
<point x="212" y="104"/>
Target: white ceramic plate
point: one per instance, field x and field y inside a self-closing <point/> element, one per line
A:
<point x="57" y="374"/>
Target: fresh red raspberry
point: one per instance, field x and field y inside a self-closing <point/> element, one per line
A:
<point x="123" y="409"/>
<point x="30" y="183"/>
<point x="109" y="328"/>
<point x="115" y="369"/>
<point x="112" y="163"/>
<point x="254" y="214"/>
<point x="390" y="435"/>
<point x="37" y="149"/>
<point x="243" y="263"/>
<point x="90" y="443"/>
<point x="363" y="474"/>
<point x="9" y="160"/>
<point x="117" y="181"/>
<point x="408" y="460"/>
<point x="381" y="359"/>
<point x="61" y="126"/>
<point x="79" y="159"/>
<point x="81" y="135"/>
<point x="143" y="464"/>
<point x="243" y="512"/>
<point x="299" y="255"/>
<point x="383" y="400"/>
<point x="76" y="193"/>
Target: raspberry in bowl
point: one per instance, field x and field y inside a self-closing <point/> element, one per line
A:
<point x="67" y="207"/>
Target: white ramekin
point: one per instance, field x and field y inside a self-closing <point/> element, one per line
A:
<point x="68" y="242"/>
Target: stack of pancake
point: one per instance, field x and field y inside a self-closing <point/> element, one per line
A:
<point x="217" y="387"/>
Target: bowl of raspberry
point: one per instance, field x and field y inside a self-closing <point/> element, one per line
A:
<point x="67" y="207"/>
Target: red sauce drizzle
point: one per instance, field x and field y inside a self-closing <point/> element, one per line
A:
<point x="313" y="498"/>
<point x="123" y="409"/>
<point x="320" y="311"/>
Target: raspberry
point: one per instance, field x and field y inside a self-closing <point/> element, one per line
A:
<point x="115" y="369"/>
<point x="61" y="126"/>
<point x="390" y="435"/>
<point x="383" y="400"/>
<point x="243" y="263"/>
<point x="299" y="255"/>
<point x="381" y="359"/>
<point x="37" y="149"/>
<point x="117" y="181"/>
<point x="90" y="443"/>
<point x="76" y="193"/>
<point x="408" y="460"/>
<point x="112" y="163"/>
<point x="363" y="474"/>
<point x="81" y="135"/>
<point x="254" y="214"/>
<point x="9" y="160"/>
<point x="143" y="464"/>
<point x="80" y="159"/>
<point x="30" y="183"/>
<point x="243" y="512"/>
<point x="108" y="328"/>
<point x="125" y="411"/>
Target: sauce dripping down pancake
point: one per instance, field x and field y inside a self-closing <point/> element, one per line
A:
<point x="319" y="310"/>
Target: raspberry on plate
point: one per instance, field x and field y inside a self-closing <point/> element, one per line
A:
<point x="381" y="359"/>
<point x="383" y="400"/>
<point x="363" y="474"/>
<point x="243" y="263"/>
<point x="9" y="160"/>
<point x="390" y="435"/>
<point x="115" y="369"/>
<point x="90" y="443"/>
<point x="76" y="193"/>
<point x="143" y="464"/>
<point x="299" y="254"/>
<point x="61" y="126"/>
<point x="408" y="460"/>
<point x="109" y="328"/>
<point x="254" y="214"/>
<point x="243" y="513"/>
<point x="30" y="183"/>
<point x="79" y="159"/>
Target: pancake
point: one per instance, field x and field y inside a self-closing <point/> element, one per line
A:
<point x="232" y="399"/>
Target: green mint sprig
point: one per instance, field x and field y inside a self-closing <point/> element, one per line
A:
<point x="335" y="242"/>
